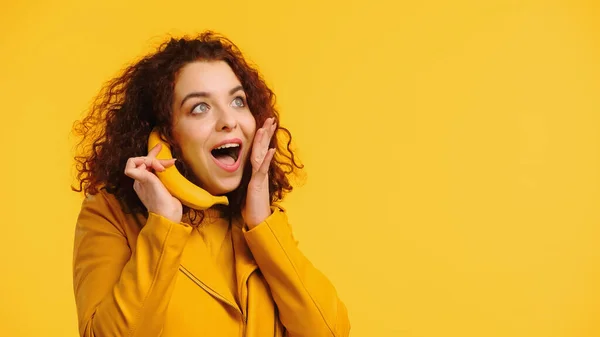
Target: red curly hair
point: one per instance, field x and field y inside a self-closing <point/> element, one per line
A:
<point x="131" y="105"/>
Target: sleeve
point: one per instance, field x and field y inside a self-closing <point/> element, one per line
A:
<point x="307" y="301"/>
<point x="117" y="292"/>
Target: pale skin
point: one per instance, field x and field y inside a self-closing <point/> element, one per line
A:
<point x="208" y="108"/>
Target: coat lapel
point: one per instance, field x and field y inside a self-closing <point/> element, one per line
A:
<point x="244" y="261"/>
<point x="198" y="264"/>
<point x="256" y="299"/>
<point x="198" y="261"/>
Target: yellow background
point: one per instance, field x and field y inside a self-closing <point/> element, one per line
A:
<point x="452" y="152"/>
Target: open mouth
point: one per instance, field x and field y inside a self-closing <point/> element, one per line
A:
<point x="227" y="154"/>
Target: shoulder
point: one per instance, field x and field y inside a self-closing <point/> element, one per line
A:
<point x="104" y="208"/>
<point x="103" y="203"/>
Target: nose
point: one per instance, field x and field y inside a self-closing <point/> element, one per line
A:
<point x="226" y="120"/>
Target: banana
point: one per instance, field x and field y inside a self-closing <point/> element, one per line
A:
<point x="180" y="187"/>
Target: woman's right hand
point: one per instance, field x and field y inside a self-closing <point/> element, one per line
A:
<point x="149" y="188"/>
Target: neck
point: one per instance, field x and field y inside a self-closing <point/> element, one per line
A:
<point x="207" y="216"/>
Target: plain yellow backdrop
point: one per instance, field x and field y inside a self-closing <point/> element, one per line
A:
<point x="451" y="151"/>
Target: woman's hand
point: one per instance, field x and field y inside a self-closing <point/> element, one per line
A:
<point x="258" y="202"/>
<point x="149" y="188"/>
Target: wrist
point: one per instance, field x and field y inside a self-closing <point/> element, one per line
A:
<point x="258" y="219"/>
<point x="173" y="216"/>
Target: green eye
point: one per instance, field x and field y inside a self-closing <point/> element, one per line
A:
<point x="200" y="108"/>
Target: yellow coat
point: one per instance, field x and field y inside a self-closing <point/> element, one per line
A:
<point x="137" y="276"/>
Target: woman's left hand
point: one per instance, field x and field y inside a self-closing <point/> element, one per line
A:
<point x="258" y="202"/>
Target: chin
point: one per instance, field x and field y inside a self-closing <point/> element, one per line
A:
<point x="226" y="186"/>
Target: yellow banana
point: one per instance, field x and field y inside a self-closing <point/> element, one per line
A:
<point x="180" y="187"/>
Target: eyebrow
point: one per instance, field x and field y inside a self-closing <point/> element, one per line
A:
<point x="205" y="94"/>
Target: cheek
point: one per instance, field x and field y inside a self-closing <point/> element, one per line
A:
<point x="249" y="126"/>
<point x="193" y="143"/>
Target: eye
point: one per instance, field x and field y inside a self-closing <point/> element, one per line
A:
<point x="200" y="108"/>
<point x="238" y="102"/>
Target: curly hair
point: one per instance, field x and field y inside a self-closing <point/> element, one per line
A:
<point x="128" y="107"/>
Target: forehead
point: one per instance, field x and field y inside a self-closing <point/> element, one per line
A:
<point x="208" y="76"/>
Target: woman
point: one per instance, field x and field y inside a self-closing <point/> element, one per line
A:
<point x="146" y="265"/>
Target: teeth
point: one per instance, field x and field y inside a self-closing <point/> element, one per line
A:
<point x="225" y="146"/>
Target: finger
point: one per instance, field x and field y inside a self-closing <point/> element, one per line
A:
<point x="132" y="166"/>
<point x="267" y="123"/>
<point x="269" y="131"/>
<point x="134" y="162"/>
<point x="140" y="163"/>
<point x="272" y="130"/>
<point x="258" y="156"/>
<point x="258" y="160"/>
<point x="167" y="162"/>
<point x="266" y="163"/>
<point x="146" y="163"/>
<point x="155" y="165"/>
<point x="149" y="162"/>
<point x="158" y="164"/>
<point x="257" y="137"/>
<point x="135" y="172"/>
<point x="265" y="132"/>
<point x="256" y="147"/>
<point x="155" y="150"/>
